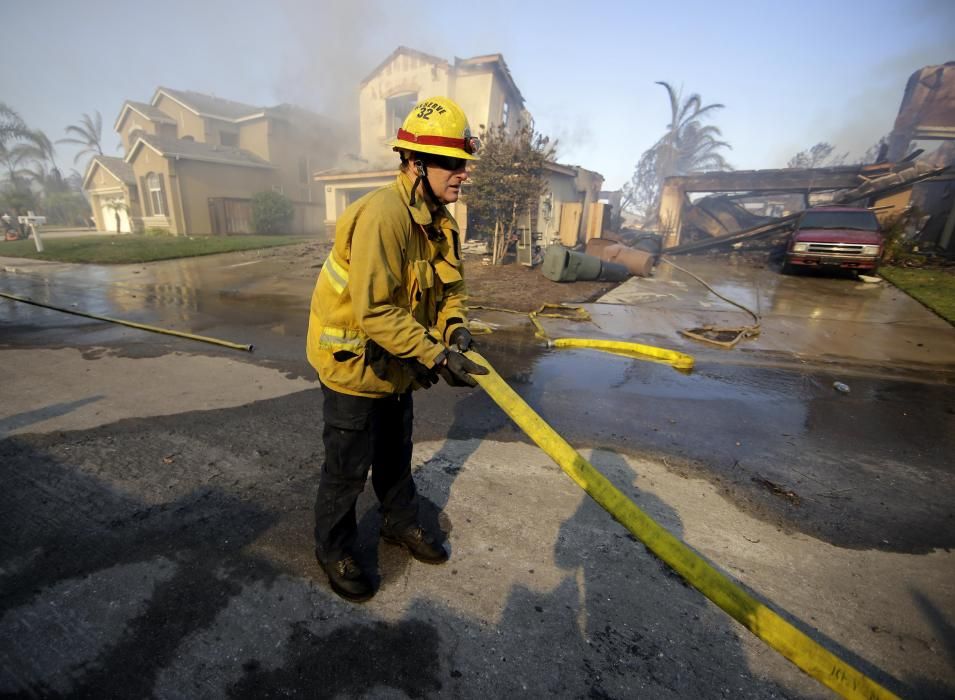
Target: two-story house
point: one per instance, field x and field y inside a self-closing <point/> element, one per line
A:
<point x="486" y="91"/>
<point x="193" y="161"/>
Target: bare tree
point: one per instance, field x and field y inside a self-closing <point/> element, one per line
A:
<point x="819" y="156"/>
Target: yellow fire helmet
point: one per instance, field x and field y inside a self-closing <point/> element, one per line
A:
<point x="437" y="125"/>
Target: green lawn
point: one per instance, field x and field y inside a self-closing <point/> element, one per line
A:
<point x="138" y="249"/>
<point x="935" y="288"/>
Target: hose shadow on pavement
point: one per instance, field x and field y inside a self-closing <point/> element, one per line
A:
<point x="27" y="418"/>
<point x="620" y="621"/>
<point x="597" y="559"/>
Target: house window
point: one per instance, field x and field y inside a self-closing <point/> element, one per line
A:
<point x="504" y="113"/>
<point x="396" y="109"/>
<point x="227" y="138"/>
<point x="157" y="194"/>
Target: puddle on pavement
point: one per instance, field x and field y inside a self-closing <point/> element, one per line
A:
<point x="199" y="293"/>
<point x="523" y="359"/>
<point x="723" y="411"/>
<point x="582" y="370"/>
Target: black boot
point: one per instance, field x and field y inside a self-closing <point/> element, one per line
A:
<point x="420" y="543"/>
<point x="347" y="579"/>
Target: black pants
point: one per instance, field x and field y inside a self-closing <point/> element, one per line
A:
<point x="360" y="433"/>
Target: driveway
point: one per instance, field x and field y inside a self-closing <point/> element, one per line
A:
<point x="812" y="317"/>
<point x="157" y="499"/>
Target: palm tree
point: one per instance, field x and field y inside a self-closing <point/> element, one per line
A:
<point x="15" y="158"/>
<point x="12" y="127"/>
<point x="88" y="133"/>
<point x="41" y="146"/>
<point x="16" y="195"/>
<point x="687" y="146"/>
<point x="38" y="148"/>
<point x="15" y="155"/>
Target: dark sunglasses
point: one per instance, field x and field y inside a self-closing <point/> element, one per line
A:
<point x="447" y="162"/>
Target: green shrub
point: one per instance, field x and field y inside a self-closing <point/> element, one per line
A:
<point x="896" y="247"/>
<point x="271" y="212"/>
<point x="156" y="231"/>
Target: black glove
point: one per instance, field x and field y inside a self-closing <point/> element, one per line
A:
<point x="423" y="376"/>
<point x="461" y="337"/>
<point x="375" y="357"/>
<point x="457" y="370"/>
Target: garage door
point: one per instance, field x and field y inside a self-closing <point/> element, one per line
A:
<point x="109" y="219"/>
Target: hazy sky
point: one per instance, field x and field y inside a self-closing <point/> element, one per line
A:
<point x="790" y="74"/>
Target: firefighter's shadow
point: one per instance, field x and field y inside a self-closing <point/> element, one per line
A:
<point x="612" y="613"/>
<point x="609" y="621"/>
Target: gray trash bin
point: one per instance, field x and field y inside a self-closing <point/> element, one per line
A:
<point x="562" y="265"/>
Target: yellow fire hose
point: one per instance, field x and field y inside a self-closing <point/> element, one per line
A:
<point x="635" y="351"/>
<point x="131" y="324"/>
<point x="766" y="624"/>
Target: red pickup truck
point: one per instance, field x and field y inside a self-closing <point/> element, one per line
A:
<point x="845" y="237"/>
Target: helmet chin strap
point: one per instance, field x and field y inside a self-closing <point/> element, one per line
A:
<point x="421" y="170"/>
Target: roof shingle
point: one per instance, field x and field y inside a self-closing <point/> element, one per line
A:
<point x="207" y="152"/>
<point x="150" y="112"/>
<point x="118" y="167"/>
<point x="210" y="106"/>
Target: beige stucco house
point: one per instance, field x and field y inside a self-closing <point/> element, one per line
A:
<point x="193" y="161"/>
<point x="486" y="90"/>
<point x="570" y="211"/>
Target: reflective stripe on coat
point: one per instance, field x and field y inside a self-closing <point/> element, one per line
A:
<point x="394" y="276"/>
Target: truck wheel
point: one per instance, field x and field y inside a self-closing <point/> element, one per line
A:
<point x="788" y="269"/>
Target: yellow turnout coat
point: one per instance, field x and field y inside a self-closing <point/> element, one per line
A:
<point x="390" y="292"/>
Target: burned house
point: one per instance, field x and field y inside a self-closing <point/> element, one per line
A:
<point x="713" y="209"/>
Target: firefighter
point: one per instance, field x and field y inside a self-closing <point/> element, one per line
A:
<point x="388" y="317"/>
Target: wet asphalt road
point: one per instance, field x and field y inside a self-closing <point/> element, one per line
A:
<point x="867" y="470"/>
